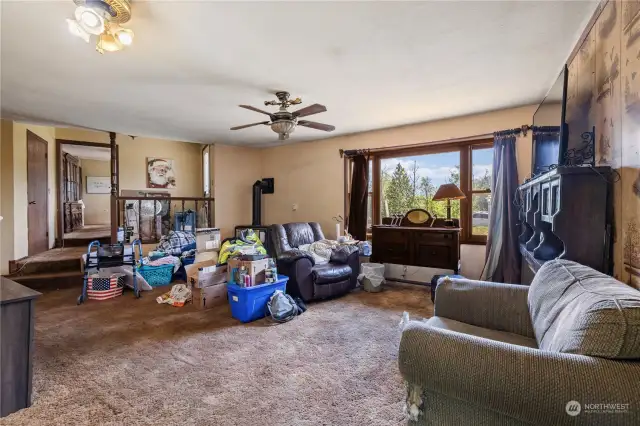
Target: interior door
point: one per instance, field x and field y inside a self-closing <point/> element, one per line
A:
<point x="37" y="172"/>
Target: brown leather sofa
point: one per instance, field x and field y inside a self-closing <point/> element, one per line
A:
<point x="306" y="279"/>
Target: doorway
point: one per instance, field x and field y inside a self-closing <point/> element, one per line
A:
<point x="37" y="193"/>
<point x="84" y="181"/>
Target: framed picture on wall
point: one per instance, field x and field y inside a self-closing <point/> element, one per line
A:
<point x="98" y="185"/>
<point x="160" y="173"/>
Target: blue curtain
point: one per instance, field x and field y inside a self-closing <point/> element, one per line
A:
<point x="503" y="259"/>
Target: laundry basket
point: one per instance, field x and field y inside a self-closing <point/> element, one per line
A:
<point x="373" y="277"/>
<point x="157" y="276"/>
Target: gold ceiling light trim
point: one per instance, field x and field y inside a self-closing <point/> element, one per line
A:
<point x="103" y="18"/>
<point x="118" y="11"/>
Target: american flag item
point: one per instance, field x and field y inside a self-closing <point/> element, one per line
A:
<point x="102" y="288"/>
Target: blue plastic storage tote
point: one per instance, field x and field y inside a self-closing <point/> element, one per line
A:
<point x="250" y="303"/>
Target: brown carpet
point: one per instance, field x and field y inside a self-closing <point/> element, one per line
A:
<point x="134" y="362"/>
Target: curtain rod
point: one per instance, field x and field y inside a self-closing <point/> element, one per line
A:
<point x="353" y="152"/>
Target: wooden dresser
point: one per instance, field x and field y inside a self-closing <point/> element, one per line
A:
<point x="16" y="345"/>
<point x="417" y="244"/>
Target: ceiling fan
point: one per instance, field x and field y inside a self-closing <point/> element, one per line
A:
<point x="284" y="122"/>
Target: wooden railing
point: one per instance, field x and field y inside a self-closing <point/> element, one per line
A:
<point x="150" y="217"/>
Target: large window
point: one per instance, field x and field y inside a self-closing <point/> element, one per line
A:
<point x="405" y="178"/>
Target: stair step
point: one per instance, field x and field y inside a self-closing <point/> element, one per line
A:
<point x="47" y="267"/>
<point x="84" y="242"/>
<point x="50" y="281"/>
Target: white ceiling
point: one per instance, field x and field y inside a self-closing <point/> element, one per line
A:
<point x="88" y="152"/>
<point x="373" y="64"/>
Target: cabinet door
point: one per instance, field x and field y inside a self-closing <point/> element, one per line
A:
<point x="390" y="246"/>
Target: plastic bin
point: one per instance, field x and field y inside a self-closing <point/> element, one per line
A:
<point x="250" y="303"/>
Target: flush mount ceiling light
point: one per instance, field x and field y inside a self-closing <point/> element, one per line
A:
<point x="102" y="18"/>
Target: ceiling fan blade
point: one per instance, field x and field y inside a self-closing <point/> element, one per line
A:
<point x="256" y="110"/>
<point x="249" y="125"/>
<point x="311" y="109"/>
<point x="318" y="126"/>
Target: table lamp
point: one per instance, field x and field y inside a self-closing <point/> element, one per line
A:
<point x="448" y="191"/>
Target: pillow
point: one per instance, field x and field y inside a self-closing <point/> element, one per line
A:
<point x="576" y="309"/>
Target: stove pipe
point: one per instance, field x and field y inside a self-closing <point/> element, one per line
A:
<point x="257" y="203"/>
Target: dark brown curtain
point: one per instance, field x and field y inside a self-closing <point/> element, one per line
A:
<point x="359" y="196"/>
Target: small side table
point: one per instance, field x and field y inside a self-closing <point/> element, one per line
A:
<point x="16" y="345"/>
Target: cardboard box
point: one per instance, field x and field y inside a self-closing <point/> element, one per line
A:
<point x="207" y="239"/>
<point x="205" y="274"/>
<point x="255" y="269"/>
<point x="208" y="297"/>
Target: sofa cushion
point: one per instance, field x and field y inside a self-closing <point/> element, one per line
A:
<point x="575" y="309"/>
<point x="486" y="333"/>
<point x="330" y="273"/>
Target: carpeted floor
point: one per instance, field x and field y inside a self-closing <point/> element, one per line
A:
<point x="134" y="362"/>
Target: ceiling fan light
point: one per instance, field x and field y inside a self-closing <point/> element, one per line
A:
<point x="89" y="20"/>
<point x="124" y="36"/>
<point x="283" y="126"/>
<point x="76" y="30"/>
<point x="108" y="42"/>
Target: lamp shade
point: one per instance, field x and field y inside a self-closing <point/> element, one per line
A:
<point x="448" y="191"/>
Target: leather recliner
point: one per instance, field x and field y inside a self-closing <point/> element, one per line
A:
<point x="306" y="279"/>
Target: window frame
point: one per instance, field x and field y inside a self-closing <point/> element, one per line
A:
<point x="465" y="148"/>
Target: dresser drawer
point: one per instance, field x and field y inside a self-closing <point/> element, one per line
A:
<point x="435" y="256"/>
<point x="391" y="236"/>
<point x="436" y="237"/>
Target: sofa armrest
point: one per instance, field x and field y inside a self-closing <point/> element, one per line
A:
<point x="527" y="384"/>
<point x="341" y="254"/>
<point x="485" y="304"/>
<point x="291" y="256"/>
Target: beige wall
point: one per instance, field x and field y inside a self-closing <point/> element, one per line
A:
<point x="549" y="114"/>
<point x="134" y="152"/>
<point x="235" y="171"/>
<point x="97" y="206"/>
<point x="6" y="195"/>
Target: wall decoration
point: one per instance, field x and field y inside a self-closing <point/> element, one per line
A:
<point x="98" y="185"/>
<point x="160" y="173"/>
